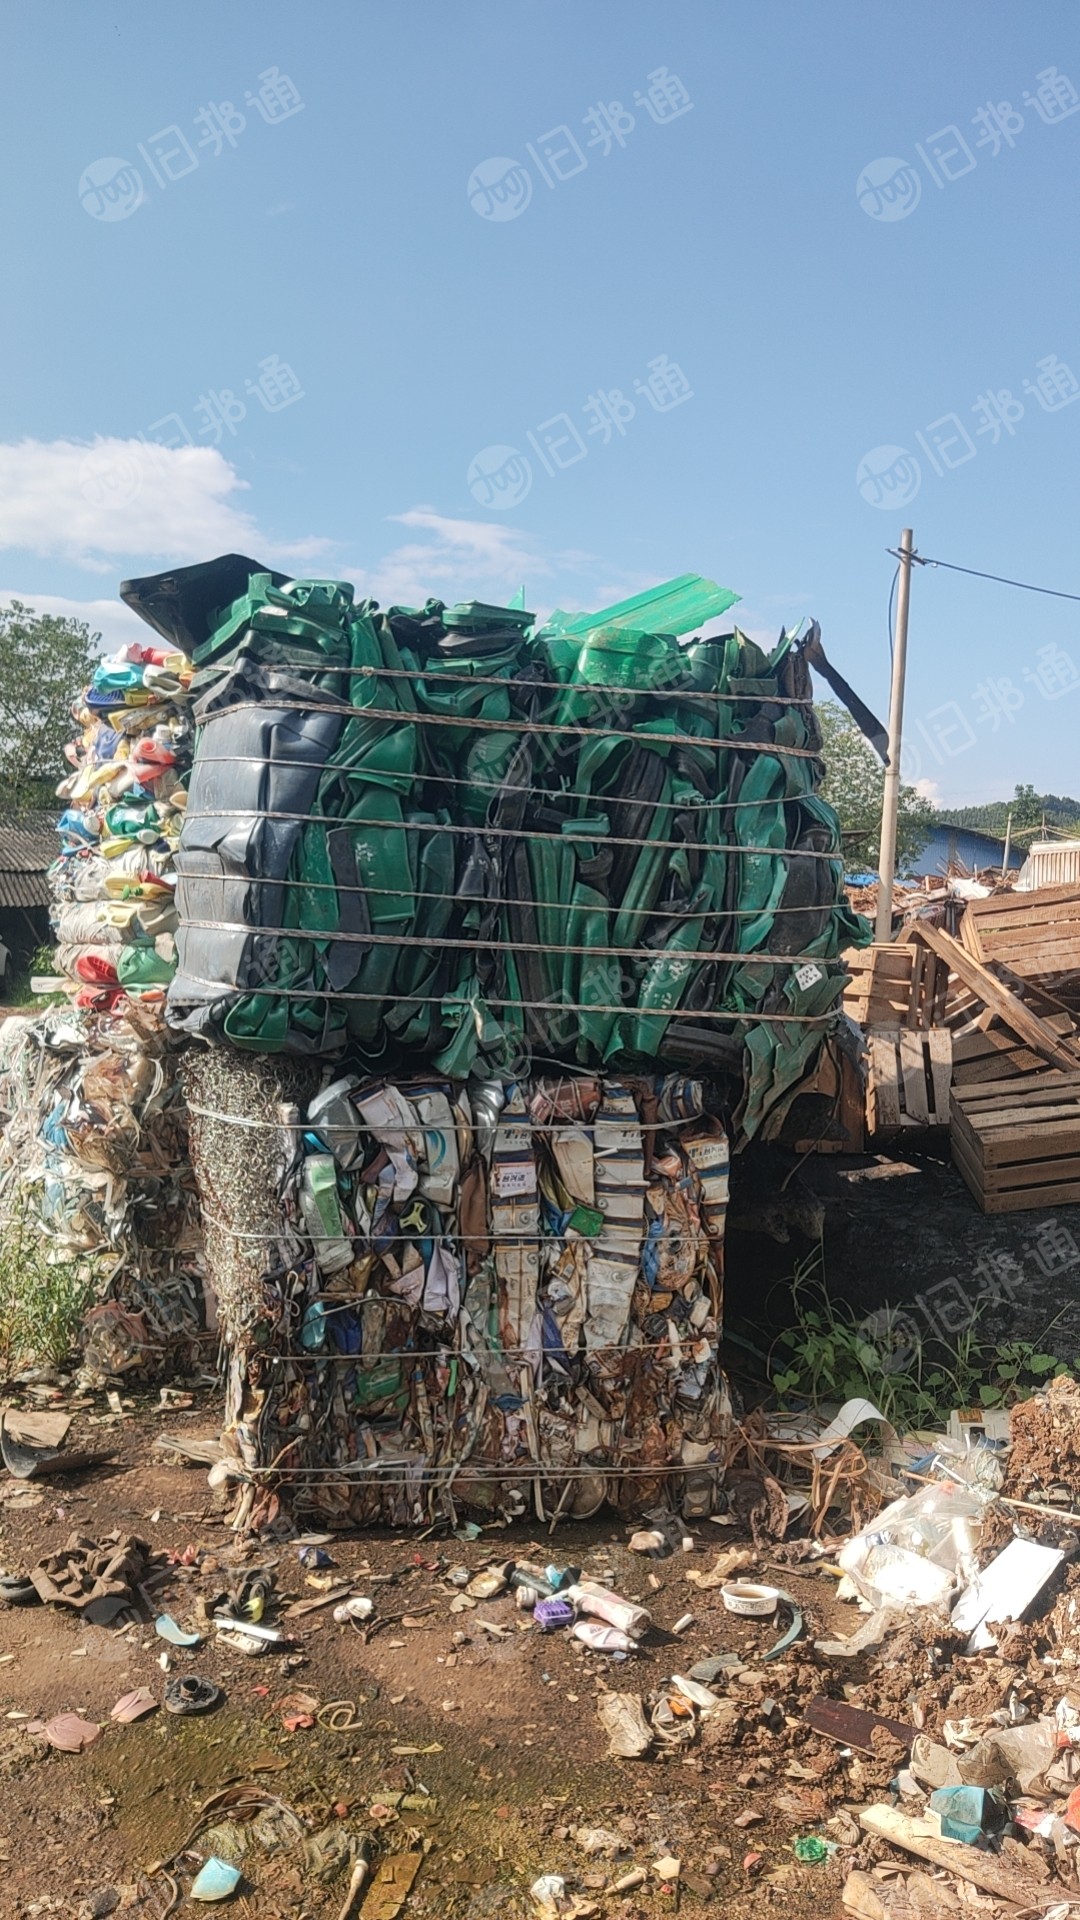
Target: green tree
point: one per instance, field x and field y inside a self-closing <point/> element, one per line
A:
<point x="1027" y="808"/>
<point x="45" y="662"/>
<point x="854" y="785"/>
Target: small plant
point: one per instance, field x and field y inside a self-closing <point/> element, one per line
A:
<point x="1015" y="1360"/>
<point x="831" y="1353"/>
<point x="42" y="1301"/>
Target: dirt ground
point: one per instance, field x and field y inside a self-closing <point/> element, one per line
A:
<point x="480" y="1748"/>
<point x="492" y="1738"/>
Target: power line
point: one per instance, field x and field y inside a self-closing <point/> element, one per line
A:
<point x="1002" y="580"/>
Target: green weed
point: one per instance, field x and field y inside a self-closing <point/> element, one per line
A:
<point x="42" y="1300"/>
<point x="831" y="1353"/>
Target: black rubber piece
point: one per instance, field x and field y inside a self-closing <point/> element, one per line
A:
<point x="17" y="1591"/>
<point x="188" y="1694"/>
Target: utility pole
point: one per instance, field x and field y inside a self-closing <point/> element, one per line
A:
<point x="1008" y="847"/>
<point x="891" y="798"/>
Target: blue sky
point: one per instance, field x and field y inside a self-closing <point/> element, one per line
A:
<point x="186" y="238"/>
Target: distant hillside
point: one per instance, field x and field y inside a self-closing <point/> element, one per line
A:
<point x="1028" y="809"/>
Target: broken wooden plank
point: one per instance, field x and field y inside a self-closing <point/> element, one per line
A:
<point x="939" y="1042"/>
<point x="883" y="1106"/>
<point x="853" y="1726"/>
<point x="913" y="1068"/>
<point x="983" y="1870"/>
<point x="1027" y="1025"/>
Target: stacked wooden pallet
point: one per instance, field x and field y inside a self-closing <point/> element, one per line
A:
<point x="897" y="985"/>
<point x="1016" y="1142"/>
<point x="1035" y="937"/>
<point x="984" y="1053"/>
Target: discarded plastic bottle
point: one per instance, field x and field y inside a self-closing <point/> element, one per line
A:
<point x="588" y="1597"/>
<point x="601" y="1638"/>
<point x="526" y="1575"/>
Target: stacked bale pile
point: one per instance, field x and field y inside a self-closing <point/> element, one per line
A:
<point x="94" y="1151"/>
<point x="462" y="852"/>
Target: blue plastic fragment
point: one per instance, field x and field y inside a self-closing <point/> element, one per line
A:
<point x="215" y="1880"/>
<point x="166" y="1626"/>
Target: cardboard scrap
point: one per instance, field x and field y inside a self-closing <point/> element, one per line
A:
<point x="391" y="1886"/>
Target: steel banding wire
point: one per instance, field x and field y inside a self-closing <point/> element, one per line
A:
<point x="732" y="743"/>
<point x="402" y="1132"/>
<point x="512" y="1237"/>
<point x="700" y="954"/>
<point x="576" y="688"/>
<point x="482" y="1470"/>
<point x="426" y="777"/>
<point x="507" y="900"/>
<point x="562" y="1006"/>
<point x="502" y="833"/>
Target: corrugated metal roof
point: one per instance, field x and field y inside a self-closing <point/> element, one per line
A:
<point x="1050" y="863"/>
<point x="28" y="846"/>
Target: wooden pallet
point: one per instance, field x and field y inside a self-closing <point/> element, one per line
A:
<point x="908" y="1083"/>
<point x="1058" y="1050"/>
<point x="900" y="984"/>
<point x="1017" y="1145"/>
<point x="982" y="1053"/>
<point x="1036" y="936"/>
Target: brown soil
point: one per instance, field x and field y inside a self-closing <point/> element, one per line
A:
<point x="517" y="1756"/>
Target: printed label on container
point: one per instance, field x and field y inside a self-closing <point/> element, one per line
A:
<point x="513" y="1179"/>
<point x="806" y="976"/>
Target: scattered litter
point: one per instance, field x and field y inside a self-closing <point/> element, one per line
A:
<point x="68" y="1732"/>
<point x="598" y="1841"/>
<point x="1004" y="1589"/>
<point x="86" y="1570"/>
<point x="188" y="1694"/>
<point x="134" y="1705"/>
<point x="549" y="1890"/>
<point x="17" y="1590"/>
<point x="343" y="1716"/>
<point x="391" y="1886"/>
<point x="753" y="1601"/>
<point x="297" y="1711"/>
<point x="852" y="1726"/>
<point x="622" y="1717"/>
<point x="166" y="1628"/>
<point x="312" y="1557"/>
<point x="356" y="1608"/>
<point x="603" y="1639"/>
<point x="730" y="1560"/>
<point x="215" y="1880"/>
<point x="811" y="1850"/>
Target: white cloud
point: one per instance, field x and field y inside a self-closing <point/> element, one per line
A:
<point x="481" y="558"/>
<point x="125" y="504"/>
<point x="125" y="499"/>
<point x="116" y="623"/>
<point x="930" y="790"/>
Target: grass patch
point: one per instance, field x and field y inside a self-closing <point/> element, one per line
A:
<point x="42" y="1300"/>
